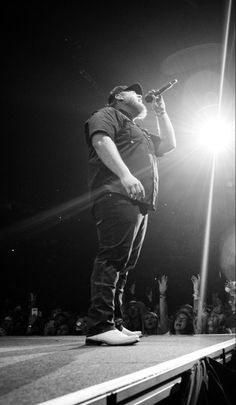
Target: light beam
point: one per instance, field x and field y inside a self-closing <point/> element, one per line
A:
<point x="205" y="256"/>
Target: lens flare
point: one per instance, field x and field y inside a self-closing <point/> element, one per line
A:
<point x="215" y="134"/>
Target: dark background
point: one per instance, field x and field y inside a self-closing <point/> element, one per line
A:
<point x="59" y="62"/>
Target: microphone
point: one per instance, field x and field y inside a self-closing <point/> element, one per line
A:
<point x="153" y="93"/>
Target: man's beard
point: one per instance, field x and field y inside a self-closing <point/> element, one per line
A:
<point x="139" y="110"/>
<point x="142" y="111"/>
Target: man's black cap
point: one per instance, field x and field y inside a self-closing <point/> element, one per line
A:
<point x="118" y="89"/>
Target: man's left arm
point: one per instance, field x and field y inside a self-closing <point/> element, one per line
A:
<point x="165" y="129"/>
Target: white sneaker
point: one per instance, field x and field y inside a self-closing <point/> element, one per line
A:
<point x="111" y="338"/>
<point x="128" y="332"/>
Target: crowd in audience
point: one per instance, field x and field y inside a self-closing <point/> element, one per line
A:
<point x="147" y="315"/>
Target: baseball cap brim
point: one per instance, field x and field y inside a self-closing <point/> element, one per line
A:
<point x="134" y="87"/>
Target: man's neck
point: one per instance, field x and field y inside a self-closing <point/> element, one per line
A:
<point x="126" y="113"/>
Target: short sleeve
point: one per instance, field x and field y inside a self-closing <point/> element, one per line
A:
<point x="103" y="121"/>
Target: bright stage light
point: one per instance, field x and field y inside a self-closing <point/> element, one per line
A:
<point x="215" y="134"/>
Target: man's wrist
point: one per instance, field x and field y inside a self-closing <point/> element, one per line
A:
<point x="160" y="113"/>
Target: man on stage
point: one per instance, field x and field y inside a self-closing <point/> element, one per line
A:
<point x="123" y="184"/>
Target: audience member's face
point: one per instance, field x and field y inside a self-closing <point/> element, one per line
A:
<point x="60" y="319"/>
<point x="150" y="321"/>
<point x="63" y="330"/>
<point x="218" y="307"/>
<point x="180" y="323"/>
<point x="7" y="322"/>
<point x="232" y="303"/>
<point x="133" y="312"/>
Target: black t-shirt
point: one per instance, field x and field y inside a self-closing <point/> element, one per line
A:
<point x="137" y="148"/>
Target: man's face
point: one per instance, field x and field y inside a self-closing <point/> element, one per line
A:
<point x="134" y="101"/>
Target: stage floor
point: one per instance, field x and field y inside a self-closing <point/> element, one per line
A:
<point x="38" y="369"/>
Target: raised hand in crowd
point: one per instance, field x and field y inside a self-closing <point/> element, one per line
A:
<point x="162" y="285"/>
<point x="163" y="307"/>
<point x="196" y="285"/>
